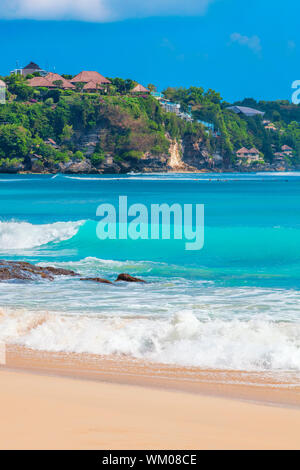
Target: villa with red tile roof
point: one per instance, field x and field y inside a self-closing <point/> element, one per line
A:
<point x="89" y="76"/>
<point x="248" y="156"/>
<point x="279" y="156"/>
<point x="140" y="89"/>
<point x="288" y="151"/>
<point x="91" y="86"/>
<point x="242" y="152"/>
<point x="40" y="82"/>
<point x="50" y="81"/>
<point x="55" y="77"/>
<point x="271" y="127"/>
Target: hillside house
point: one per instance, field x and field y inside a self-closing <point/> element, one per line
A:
<point x="271" y="127"/>
<point x="278" y="157"/>
<point x="51" y="80"/>
<point x="170" y="107"/>
<point x="91" y="87"/>
<point x="40" y="82"/>
<point x="89" y="77"/>
<point x="30" y="69"/>
<point x="249" y="112"/>
<point x="58" y="81"/>
<point x="140" y="89"/>
<point x="2" y="91"/>
<point x="247" y="157"/>
<point x="288" y="151"/>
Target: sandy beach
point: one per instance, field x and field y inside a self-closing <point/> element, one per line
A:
<point x="49" y="403"/>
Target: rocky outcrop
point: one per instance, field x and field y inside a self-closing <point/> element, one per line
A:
<point x="13" y="270"/>
<point x="96" y="279"/>
<point x="83" y="166"/>
<point x="88" y="141"/>
<point x="127" y="278"/>
<point x="197" y="157"/>
<point x="8" y="168"/>
<point x="23" y="271"/>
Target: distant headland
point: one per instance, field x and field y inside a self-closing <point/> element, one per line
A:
<point x="89" y="123"/>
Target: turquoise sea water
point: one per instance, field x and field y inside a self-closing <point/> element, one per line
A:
<point x="232" y="305"/>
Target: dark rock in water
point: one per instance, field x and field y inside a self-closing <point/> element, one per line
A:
<point x="13" y="270"/>
<point x="127" y="278"/>
<point x="21" y="270"/>
<point x="96" y="279"/>
<point x="59" y="271"/>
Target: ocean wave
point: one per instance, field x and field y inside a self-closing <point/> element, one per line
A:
<point x="159" y="178"/>
<point x="23" y="235"/>
<point x="186" y="177"/>
<point x="183" y="339"/>
<point x="157" y="270"/>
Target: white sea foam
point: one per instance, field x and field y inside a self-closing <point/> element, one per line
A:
<point x="182" y="339"/>
<point x="22" y="235"/>
<point x="211" y="178"/>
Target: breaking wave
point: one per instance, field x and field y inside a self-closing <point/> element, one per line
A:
<point x="183" y="339"/>
<point x="23" y="235"/>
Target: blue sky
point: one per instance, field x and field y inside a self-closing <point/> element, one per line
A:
<point x="242" y="48"/>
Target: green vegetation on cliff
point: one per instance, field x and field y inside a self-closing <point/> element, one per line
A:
<point x="130" y="126"/>
<point x="56" y="127"/>
<point x="240" y="131"/>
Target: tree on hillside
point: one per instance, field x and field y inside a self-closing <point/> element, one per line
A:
<point x="15" y="141"/>
<point x="123" y="86"/>
<point x="152" y="88"/>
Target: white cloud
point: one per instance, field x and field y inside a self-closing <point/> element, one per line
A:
<point x="99" y="10"/>
<point x="252" y="42"/>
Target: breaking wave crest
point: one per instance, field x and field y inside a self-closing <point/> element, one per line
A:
<point x="23" y="235"/>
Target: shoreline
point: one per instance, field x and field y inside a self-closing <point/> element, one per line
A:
<point x="170" y="172"/>
<point x="44" y="408"/>
<point x="253" y="387"/>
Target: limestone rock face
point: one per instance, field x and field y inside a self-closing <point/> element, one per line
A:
<point x="83" y="166"/>
<point x="176" y="150"/>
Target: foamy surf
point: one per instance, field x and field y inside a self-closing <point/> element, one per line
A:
<point x="183" y="339"/>
<point x="23" y="235"/>
<point x="233" y="305"/>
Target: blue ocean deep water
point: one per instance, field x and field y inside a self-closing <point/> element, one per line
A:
<point x="232" y="305"/>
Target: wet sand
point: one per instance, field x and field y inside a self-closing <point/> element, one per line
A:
<point x="72" y="401"/>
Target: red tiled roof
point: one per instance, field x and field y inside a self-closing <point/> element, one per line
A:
<point x="88" y="76"/>
<point x="91" y="86"/>
<point x="243" y="150"/>
<point x="286" y="147"/>
<point x="254" y="150"/>
<point x="40" y="81"/>
<point x="54" y="77"/>
<point x="140" y="89"/>
<point x="51" y="141"/>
